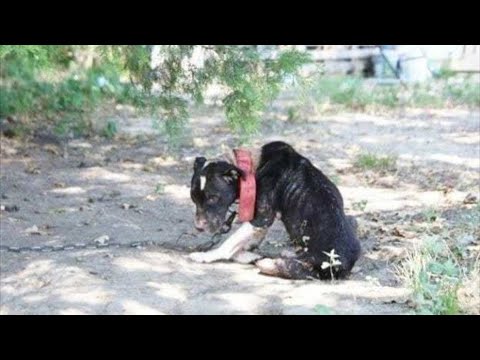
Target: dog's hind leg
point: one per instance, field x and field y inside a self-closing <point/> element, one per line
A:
<point x="353" y="223"/>
<point x="303" y="266"/>
<point x="289" y="268"/>
<point x="298" y="268"/>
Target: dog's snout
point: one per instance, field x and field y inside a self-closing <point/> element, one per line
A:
<point x="200" y="224"/>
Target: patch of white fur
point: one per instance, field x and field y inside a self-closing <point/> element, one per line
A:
<point x="246" y="257"/>
<point x="203" y="182"/>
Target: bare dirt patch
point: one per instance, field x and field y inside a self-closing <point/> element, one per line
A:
<point x="134" y="188"/>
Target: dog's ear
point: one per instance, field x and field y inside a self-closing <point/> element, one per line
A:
<point x="199" y="162"/>
<point x="228" y="154"/>
<point x="233" y="173"/>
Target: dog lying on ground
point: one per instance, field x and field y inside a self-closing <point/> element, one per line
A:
<point x="287" y="186"/>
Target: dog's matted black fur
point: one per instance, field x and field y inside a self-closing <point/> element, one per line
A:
<point x="289" y="186"/>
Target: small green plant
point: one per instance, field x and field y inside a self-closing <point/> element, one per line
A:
<point x="331" y="263"/>
<point x="369" y="161"/>
<point x="361" y="205"/>
<point x="293" y="114"/>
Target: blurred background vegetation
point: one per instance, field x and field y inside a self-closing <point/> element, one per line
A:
<point x="63" y="84"/>
<point x="60" y="86"/>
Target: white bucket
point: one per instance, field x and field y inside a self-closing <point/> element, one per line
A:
<point x="413" y="65"/>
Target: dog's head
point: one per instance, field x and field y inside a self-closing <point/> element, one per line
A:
<point x="214" y="188"/>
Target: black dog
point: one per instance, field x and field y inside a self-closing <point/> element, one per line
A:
<point x="289" y="186"/>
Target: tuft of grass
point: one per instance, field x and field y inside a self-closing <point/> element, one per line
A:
<point x="430" y="215"/>
<point x="110" y="129"/>
<point x="72" y="124"/>
<point x="335" y="179"/>
<point x="369" y="161"/>
<point x="160" y="189"/>
<point x="433" y="274"/>
<point x="356" y="93"/>
<point x="293" y="114"/>
<point x="469" y="291"/>
<point x="361" y="205"/>
<point x="465" y="92"/>
<point x="353" y="92"/>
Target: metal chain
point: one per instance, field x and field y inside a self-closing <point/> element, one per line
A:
<point x="215" y="239"/>
<point x="88" y="245"/>
<point x="110" y="244"/>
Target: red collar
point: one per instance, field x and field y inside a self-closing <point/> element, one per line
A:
<point x="246" y="207"/>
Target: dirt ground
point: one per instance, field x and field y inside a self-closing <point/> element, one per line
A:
<point x="133" y="188"/>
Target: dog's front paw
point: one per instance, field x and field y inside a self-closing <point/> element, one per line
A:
<point x="246" y="257"/>
<point x="201" y="257"/>
<point x="267" y="266"/>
